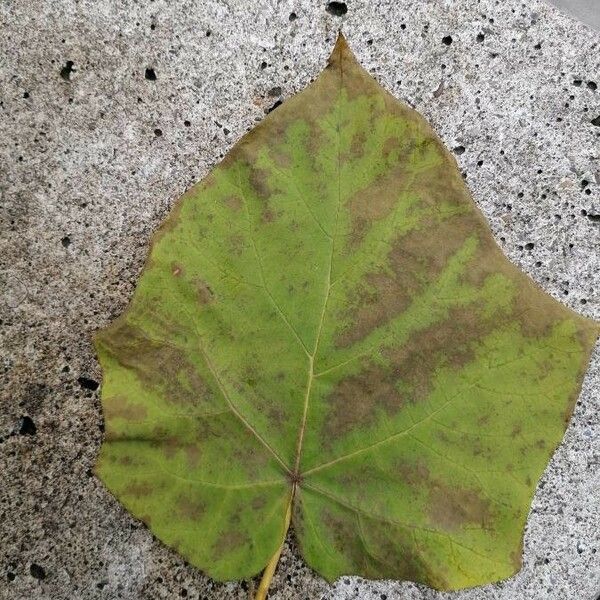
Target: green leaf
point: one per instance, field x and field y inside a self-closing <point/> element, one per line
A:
<point x="326" y="325"/>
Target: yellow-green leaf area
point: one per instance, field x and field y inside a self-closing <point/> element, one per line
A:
<point x="326" y="322"/>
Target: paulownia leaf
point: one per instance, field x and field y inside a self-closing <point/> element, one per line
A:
<point x="326" y="328"/>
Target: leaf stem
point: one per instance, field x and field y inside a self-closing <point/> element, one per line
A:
<point x="267" y="576"/>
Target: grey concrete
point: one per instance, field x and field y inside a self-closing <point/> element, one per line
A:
<point x="587" y="11"/>
<point x="85" y="180"/>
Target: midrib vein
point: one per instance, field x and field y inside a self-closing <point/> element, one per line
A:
<point x="311" y="358"/>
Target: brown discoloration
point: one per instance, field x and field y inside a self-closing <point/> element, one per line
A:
<point x="253" y="460"/>
<point x="452" y="508"/>
<point x="190" y="508"/>
<point x="237" y="244"/>
<point x="412" y="473"/>
<point x="258" y="503"/>
<point x="268" y="216"/>
<point x="416" y="260"/>
<point x="229" y="542"/>
<point x="379" y="199"/>
<point x="139" y="489"/>
<point x="355" y="401"/>
<point x="119" y="407"/>
<point x="176" y="269"/>
<point x="204" y="292"/>
<point x="234" y="203"/>
<point x="516" y="430"/>
<point x="192" y="453"/>
<point x="171" y="445"/>
<point x="516" y="558"/>
<point x="277" y="415"/>
<point x="450" y="343"/>
<point x="535" y="310"/>
<point x="378" y="549"/>
<point x="143" y="356"/>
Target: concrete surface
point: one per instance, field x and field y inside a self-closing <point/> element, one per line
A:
<point x="93" y="153"/>
<point x="587" y="11"/>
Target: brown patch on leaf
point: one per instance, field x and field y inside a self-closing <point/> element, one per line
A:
<point x="355" y="401"/>
<point x="535" y="310"/>
<point x="411" y="473"/>
<point x="237" y="244"/>
<point x="416" y="260"/>
<point x="190" y="508"/>
<point x="258" y="502"/>
<point x="451" y="343"/>
<point x="229" y="542"/>
<point x="204" y="292"/>
<point x="376" y="550"/>
<point x="453" y="508"/>
<point x="516" y="557"/>
<point x="192" y="453"/>
<point x="171" y="445"/>
<point x="119" y="407"/>
<point x="234" y="203"/>
<point x="158" y="366"/>
<point x="139" y="489"/>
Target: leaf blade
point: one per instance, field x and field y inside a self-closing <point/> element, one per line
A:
<point x="327" y="318"/>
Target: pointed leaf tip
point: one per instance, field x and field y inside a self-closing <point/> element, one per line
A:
<point x="340" y="50"/>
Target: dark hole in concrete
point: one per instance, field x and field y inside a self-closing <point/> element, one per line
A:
<point x="594" y="218"/>
<point x="338" y="9"/>
<point x="529" y="246"/>
<point x="150" y="74"/>
<point x="187" y="123"/>
<point x="592" y="85"/>
<point x="66" y="71"/>
<point x="27" y="426"/>
<point x="10" y="576"/>
<point x="274" y="92"/>
<point x="596" y="121"/>
<point x="26" y="94"/>
<point x="37" y="571"/>
<point x="263" y="65"/>
<point x="293" y="16"/>
<point x="447" y="40"/>
<point x="459" y="150"/>
<point x="88" y="384"/>
<point x="275" y="105"/>
<point x="577" y="82"/>
<point x="66" y="241"/>
<point x="538" y="46"/>
<point x="158" y="132"/>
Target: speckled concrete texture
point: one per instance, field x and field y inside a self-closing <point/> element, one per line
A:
<point x="110" y="110"/>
